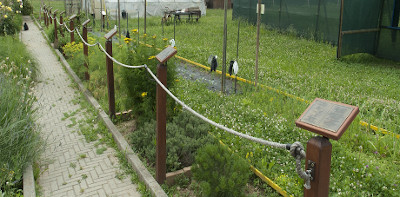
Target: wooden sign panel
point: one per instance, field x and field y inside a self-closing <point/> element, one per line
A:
<point x="327" y="118"/>
<point x="166" y="54"/>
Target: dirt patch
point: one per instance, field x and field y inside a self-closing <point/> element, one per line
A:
<point x="126" y="127"/>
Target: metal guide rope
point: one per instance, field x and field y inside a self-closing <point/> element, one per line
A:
<point x="296" y="149"/>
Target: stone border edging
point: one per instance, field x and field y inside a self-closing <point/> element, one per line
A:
<point x="123" y="145"/>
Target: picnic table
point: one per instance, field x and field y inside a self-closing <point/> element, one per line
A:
<point x="190" y="14"/>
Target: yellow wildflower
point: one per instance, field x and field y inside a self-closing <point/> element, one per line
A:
<point x="151" y="57"/>
<point x="144" y="35"/>
<point x="134" y="31"/>
<point x="1" y="4"/>
<point x="18" y="1"/>
<point x="271" y="99"/>
<point x="127" y="40"/>
<point x="9" y="9"/>
<point x="144" y="94"/>
<point x="175" y="48"/>
<point x="21" y="6"/>
<point x="5" y="16"/>
<point x="154" y="37"/>
<point x="165" y="39"/>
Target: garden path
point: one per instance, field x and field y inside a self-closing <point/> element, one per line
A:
<point x="69" y="165"/>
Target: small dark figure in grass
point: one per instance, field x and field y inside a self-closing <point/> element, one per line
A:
<point x="231" y="67"/>
<point x="214" y="64"/>
<point x="26" y="28"/>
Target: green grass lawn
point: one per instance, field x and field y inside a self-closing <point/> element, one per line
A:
<point x="362" y="161"/>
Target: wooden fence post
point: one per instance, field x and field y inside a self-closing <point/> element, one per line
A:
<point x="110" y="73"/>
<point x="329" y="119"/>
<point x="318" y="156"/>
<point x="85" y="49"/>
<point x="44" y="14"/>
<point x="71" y="26"/>
<point x="49" y="21"/>
<point x="55" y="30"/>
<point x="161" y="116"/>
<point x="62" y="23"/>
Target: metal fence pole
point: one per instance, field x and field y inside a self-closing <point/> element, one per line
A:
<point x="161" y="107"/>
<point x="224" y="48"/>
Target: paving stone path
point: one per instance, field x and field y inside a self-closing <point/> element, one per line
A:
<point x="70" y="165"/>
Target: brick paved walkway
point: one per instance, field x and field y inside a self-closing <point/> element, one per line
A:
<point x="70" y="165"/>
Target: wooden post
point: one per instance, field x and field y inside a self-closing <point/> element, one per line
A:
<point x="62" y="23"/>
<point x="55" y="30"/>
<point x="44" y="14"/>
<point x="257" y="42"/>
<point x="161" y="116"/>
<point x="318" y="156"/>
<point x="71" y="26"/>
<point x="161" y="107"/>
<point x="110" y="73"/>
<point x="51" y="22"/>
<point x="85" y="49"/>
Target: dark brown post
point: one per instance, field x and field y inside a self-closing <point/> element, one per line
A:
<point x="71" y="26"/>
<point x="44" y="14"/>
<point x="85" y="49"/>
<point x="62" y="23"/>
<point x="55" y="30"/>
<point x="161" y="139"/>
<point x="51" y="22"/>
<point x="161" y="107"/>
<point x="318" y="156"/>
<point x="110" y="73"/>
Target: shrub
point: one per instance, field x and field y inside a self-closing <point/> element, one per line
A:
<point x="220" y="172"/>
<point x="27" y="8"/>
<point x="185" y="134"/>
<point x="10" y="20"/>
<point x="141" y="88"/>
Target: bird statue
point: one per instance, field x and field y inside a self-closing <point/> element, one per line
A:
<point x="214" y="64"/>
<point x="172" y="42"/>
<point x="233" y="67"/>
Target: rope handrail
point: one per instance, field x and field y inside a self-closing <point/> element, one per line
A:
<point x="87" y="44"/>
<point x="59" y="22"/>
<point x="70" y="31"/>
<point x="296" y="149"/>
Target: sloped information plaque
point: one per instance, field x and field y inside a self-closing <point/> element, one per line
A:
<point x="327" y="118"/>
<point x="167" y="53"/>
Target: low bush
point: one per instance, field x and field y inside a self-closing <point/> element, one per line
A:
<point x="185" y="134"/>
<point x="220" y="172"/>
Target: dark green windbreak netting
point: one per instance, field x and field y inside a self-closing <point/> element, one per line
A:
<point x="369" y="26"/>
<point x="389" y="37"/>
<point x="309" y="18"/>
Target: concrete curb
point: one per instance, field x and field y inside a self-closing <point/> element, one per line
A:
<point x="29" y="182"/>
<point x="123" y="145"/>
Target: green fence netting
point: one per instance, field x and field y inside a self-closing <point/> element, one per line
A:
<point x="367" y="25"/>
<point x="308" y="18"/>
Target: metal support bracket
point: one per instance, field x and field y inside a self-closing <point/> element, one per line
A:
<point x="311" y="168"/>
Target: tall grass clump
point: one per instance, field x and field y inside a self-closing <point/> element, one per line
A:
<point x="20" y="144"/>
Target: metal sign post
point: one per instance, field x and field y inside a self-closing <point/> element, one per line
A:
<point x="110" y="73"/>
<point x="161" y="107"/>
<point x="329" y="119"/>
